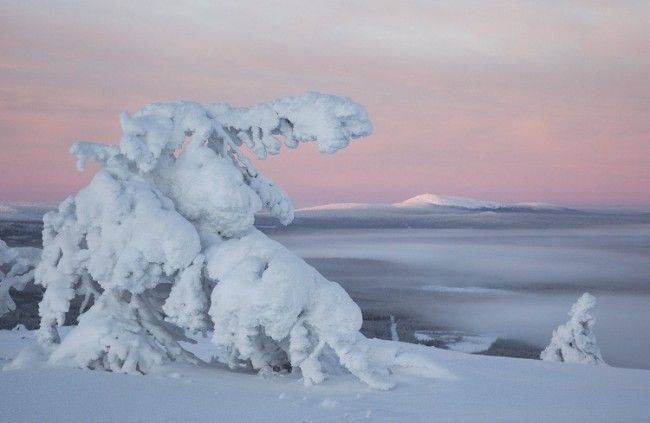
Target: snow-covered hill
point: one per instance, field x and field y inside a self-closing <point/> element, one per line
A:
<point x="435" y="202"/>
<point x="425" y="200"/>
<point x="467" y="388"/>
<point x="451" y="212"/>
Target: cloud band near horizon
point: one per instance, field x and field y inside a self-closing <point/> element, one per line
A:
<point x="511" y="101"/>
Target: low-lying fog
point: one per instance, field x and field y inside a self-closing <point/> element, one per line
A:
<point x="510" y="283"/>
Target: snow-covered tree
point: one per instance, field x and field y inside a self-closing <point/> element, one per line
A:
<point x="574" y="341"/>
<point x="16" y="271"/>
<point x="174" y="205"/>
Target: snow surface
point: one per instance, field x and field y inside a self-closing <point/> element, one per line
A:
<point x="465" y="388"/>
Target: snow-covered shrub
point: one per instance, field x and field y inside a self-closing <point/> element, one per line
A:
<point x="574" y="341"/>
<point x="16" y="271"/>
<point x="174" y="205"/>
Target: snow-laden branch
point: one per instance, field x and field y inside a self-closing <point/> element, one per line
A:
<point x="159" y="131"/>
<point x="331" y="121"/>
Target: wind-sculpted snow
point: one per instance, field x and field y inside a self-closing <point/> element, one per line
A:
<point x="174" y="205"/>
<point x="209" y="191"/>
<point x="272" y="310"/>
<point x="16" y="271"/>
<point x="574" y="341"/>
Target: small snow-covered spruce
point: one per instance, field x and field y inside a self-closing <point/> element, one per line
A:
<point x="574" y="341"/>
<point x="16" y="271"/>
<point x="174" y="205"/>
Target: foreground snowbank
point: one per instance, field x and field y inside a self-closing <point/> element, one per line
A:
<point x="465" y="388"/>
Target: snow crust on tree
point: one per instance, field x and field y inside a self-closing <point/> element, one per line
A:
<point x="115" y="240"/>
<point x="272" y="310"/>
<point x="188" y="302"/>
<point x="120" y="335"/>
<point x="16" y="271"/>
<point x="174" y="205"/>
<point x="574" y="341"/>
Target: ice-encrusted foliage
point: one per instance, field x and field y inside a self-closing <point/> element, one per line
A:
<point x="574" y="341"/>
<point x="174" y="205"/>
<point x="16" y="271"/>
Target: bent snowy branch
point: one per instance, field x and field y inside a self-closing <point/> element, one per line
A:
<point x="158" y="130"/>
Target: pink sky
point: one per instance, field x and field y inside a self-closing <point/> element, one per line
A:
<point x="511" y="101"/>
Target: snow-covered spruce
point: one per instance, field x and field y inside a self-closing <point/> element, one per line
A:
<point x="574" y="341"/>
<point x="174" y="204"/>
<point x="16" y="271"/>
